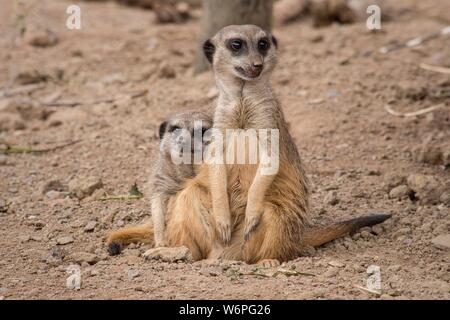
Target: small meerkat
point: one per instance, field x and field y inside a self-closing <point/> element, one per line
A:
<point x="181" y="136"/>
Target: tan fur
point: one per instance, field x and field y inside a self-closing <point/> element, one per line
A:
<point x="176" y="137"/>
<point x="266" y="214"/>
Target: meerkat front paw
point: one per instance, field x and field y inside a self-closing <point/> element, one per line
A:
<point x="223" y="228"/>
<point x="161" y="243"/>
<point x="252" y="219"/>
<point x="250" y="225"/>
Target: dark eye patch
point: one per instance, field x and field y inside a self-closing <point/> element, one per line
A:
<point x="173" y="128"/>
<point x="263" y="45"/>
<point x="236" y="46"/>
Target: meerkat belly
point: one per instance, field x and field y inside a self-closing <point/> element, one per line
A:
<point x="241" y="150"/>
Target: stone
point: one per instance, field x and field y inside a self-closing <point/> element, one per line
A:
<point x="442" y="241"/>
<point x="120" y="223"/>
<point x="73" y="282"/>
<point x="167" y="71"/>
<point x="331" y="272"/>
<point x="11" y="122"/>
<point x="57" y="253"/>
<point x="336" y="264"/>
<point x="399" y="192"/>
<point x="446" y="158"/>
<point x="378" y="229"/>
<point x="428" y="154"/>
<point x="24" y="238"/>
<point x="365" y="234"/>
<point x="41" y="38"/>
<point x="392" y="180"/>
<point x="132" y="273"/>
<point x="402" y="232"/>
<point x="285" y="11"/>
<point x="426" y="188"/>
<point x="445" y="198"/>
<point x="53" y="185"/>
<point x="169" y="254"/>
<point x="331" y="198"/>
<point x="64" y="240"/>
<point x="90" y="226"/>
<point x="394" y="268"/>
<point x="81" y="257"/>
<point x="84" y="187"/>
<point x="72" y="115"/>
<point x="27" y="110"/>
<point x="30" y="77"/>
<point x="55" y="195"/>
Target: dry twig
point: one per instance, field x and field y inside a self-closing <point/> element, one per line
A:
<point x="430" y="67"/>
<point x="377" y="293"/>
<point x="389" y="109"/>
<point x="415" y="41"/>
<point x="21" y="89"/>
<point x="95" y="101"/>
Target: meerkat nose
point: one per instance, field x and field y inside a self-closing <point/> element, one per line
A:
<point x="257" y="65"/>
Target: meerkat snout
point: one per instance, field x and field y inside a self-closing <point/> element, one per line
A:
<point x="243" y="51"/>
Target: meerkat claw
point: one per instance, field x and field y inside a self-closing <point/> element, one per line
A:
<point x="250" y="226"/>
<point x="224" y="231"/>
<point x="269" y="263"/>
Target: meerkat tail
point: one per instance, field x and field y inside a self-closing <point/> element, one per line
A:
<point x="318" y="236"/>
<point x="141" y="233"/>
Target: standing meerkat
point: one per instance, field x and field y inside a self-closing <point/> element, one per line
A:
<point x="235" y="211"/>
<point x="180" y="136"/>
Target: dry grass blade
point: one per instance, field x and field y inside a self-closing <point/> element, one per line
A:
<point x="134" y="194"/>
<point x="120" y="197"/>
<point x="290" y="273"/>
<point x="377" y="293"/>
<point x="389" y="109"/>
<point x="95" y="101"/>
<point x="21" y="89"/>
<point x="430" y="67"/>
<point x="19" y="150"/>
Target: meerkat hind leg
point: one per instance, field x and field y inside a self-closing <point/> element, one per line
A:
<point x="159" y="208"/>
<point x="220" y="202"/>
<point x="269" y="263"/>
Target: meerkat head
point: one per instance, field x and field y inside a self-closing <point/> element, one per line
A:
<point x="184" y="132"/>
<point x="243" y="51"/>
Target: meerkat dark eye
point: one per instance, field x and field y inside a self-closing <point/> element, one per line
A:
<point x="173" y="128"/>
<point x="236" y="44"/>
<point x="263" y="44"/>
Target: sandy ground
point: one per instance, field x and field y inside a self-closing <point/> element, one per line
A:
<point x="333" y="85"/>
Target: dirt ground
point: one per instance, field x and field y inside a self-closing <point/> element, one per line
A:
<point x="333" y="85"/>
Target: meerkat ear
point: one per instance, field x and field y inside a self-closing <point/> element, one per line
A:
<point x="274" y="40"/>
<point x="208" y="50"/>
<point x="162" y="129"/>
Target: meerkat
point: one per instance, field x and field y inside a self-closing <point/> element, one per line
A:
<point x="234" y="211"/>
<point x="180" y="136"/>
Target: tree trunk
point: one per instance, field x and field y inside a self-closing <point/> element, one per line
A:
<point x="220" y="13"/>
